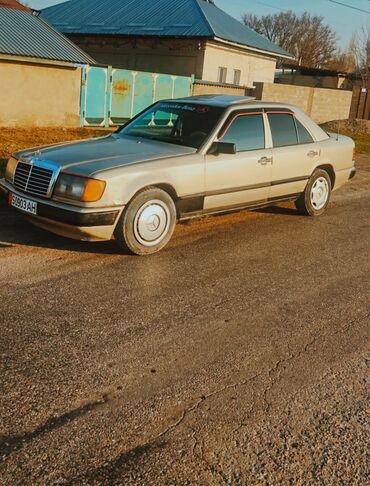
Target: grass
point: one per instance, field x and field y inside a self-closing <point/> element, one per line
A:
<point x="13" y="139"/>
<point x="362" y="141"/>
<point x="359" y="130"/>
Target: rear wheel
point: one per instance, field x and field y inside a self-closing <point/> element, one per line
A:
<point x="316" y="196"/>
<point x="147" y="223"/>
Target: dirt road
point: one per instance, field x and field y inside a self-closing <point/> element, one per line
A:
<point x="238" y="356"/>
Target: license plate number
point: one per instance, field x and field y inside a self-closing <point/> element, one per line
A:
<point x="23" y="204"/>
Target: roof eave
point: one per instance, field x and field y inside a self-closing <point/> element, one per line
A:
<point x="254" y="49"/>
<point x="39" y="60"/>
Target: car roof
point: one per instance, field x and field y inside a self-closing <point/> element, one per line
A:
<point x="216" y="100"/>
<point x="226" y="101"/>
<point x="250" y="102"/>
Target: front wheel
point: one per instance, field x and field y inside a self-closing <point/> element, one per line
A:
<point x="316" y="196"/>
<point x="147" y="223"/>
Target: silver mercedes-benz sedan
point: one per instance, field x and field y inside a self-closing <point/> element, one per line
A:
<point x="179" y="159"/>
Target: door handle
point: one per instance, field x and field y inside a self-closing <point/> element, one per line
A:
<point x="312" y="153"/>
<point x="265" y="160"/>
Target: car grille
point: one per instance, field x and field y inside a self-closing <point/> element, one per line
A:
<point x="33" y="179"/>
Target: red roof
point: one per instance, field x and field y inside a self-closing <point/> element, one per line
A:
<point x="14" y="4"/>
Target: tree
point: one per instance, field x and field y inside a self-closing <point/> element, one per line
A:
<point x="360" y="50"/>
<point x="306" y="36"/>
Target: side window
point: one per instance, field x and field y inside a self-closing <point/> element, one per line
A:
<point x="303" y="134"/>
<point x="247" y="132"/>
<point x="283" y="130"/>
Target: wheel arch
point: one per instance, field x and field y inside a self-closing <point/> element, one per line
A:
<point x="331" y="172"/>
<point x="164" y="186"/>
<point x="171" y="191"/>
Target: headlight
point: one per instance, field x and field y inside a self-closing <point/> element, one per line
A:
<point x="79" y="188"/>
<point x="10" y="169"/>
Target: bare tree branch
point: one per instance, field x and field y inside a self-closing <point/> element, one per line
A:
<point x="360" y="50"/>
<point x="307" y="37"/>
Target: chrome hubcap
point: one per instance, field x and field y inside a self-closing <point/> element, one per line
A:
<point x="319" y="193"/>
<point x="152" y="222"/>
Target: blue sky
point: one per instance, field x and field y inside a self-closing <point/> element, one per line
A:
<point x="344" y="20"/>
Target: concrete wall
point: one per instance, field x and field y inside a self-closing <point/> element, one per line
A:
<point x="253" y="67"/>
<point x="330" y="82"/>
<point x="169" y="56"/>
<point x="321" y="104"/>
<point x="39" y="95"/>
<point x="312" y="81"/>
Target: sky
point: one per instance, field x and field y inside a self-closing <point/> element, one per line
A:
<point x="344" y="21"/>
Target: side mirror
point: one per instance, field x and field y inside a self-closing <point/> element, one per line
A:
<point x="222" y="148"/>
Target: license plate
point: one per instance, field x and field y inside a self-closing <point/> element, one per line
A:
<point x="23" y="204"/>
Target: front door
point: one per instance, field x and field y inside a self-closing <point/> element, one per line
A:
<point x="243" y="178"/>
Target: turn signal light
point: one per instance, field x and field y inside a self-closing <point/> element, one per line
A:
<point x="93" y="190"/>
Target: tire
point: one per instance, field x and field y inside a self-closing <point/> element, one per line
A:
<point x="147" y="223"/>
<point x="315" y="199"/>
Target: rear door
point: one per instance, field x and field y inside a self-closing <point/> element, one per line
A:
<point x="242" y="178"/>
<point x="295" y="154"/>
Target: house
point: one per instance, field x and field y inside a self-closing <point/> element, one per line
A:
<point x="182" y="37"/>
<point x="40" y="70"/>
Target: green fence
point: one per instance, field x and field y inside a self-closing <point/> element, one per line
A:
<point x="109" y="96"/>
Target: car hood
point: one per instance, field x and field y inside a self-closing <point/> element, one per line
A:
<point x="88" y="157"/>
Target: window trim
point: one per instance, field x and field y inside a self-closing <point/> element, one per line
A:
<point x="235" y="116"/>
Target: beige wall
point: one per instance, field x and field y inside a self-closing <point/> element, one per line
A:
<point x="38" y="95"/>
<point x="253" y="67"/>
<point x="321" y="104"/>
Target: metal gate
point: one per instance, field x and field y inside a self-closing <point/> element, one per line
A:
<point x="360" y="107"/>
<point x="110" y="96"/>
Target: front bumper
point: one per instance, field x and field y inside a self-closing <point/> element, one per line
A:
<point x="72" y="222"/>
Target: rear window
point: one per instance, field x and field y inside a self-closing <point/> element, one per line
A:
<point x="283" y="130"/>
<point x="303" y="134"/>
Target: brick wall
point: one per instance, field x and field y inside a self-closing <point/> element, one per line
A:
<point x="321" y="104"/>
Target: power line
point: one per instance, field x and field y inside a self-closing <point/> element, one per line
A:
<point x="273" y="6"/>
<point x="342" y="4"/>
<point x="349" y="6"/>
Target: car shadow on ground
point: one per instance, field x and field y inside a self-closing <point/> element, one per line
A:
<point x="15" y="230"/>
<point x="281" y="210"/>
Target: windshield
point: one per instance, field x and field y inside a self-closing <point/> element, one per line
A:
<point x="179" y="123"/>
